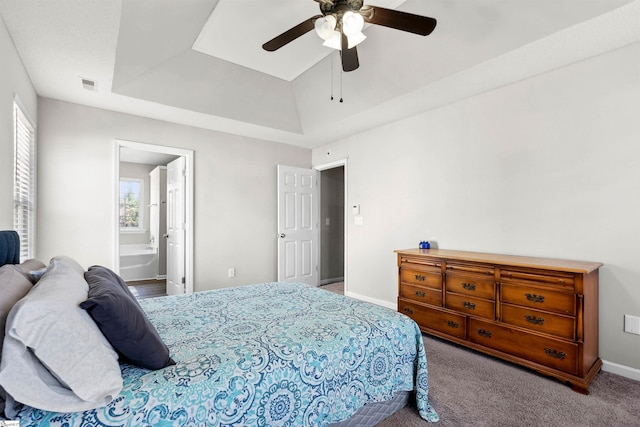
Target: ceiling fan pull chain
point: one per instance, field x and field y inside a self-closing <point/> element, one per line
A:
<point x="341" y="73"/>
<point x="332" y="56"/>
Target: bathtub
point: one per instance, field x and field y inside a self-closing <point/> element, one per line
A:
<point x="138" y="262"/>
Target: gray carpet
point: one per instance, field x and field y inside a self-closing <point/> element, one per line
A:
<point x="467" y="388"/>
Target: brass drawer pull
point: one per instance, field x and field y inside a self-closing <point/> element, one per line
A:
<point x="420" y="278"/>
<point x="534" y="320"/>
<point x="469" y="286"/>
<point x="469" y="305"/>
<point x="485" y="333"/>
<point x="534" y="297"/>
<point x="555" y="353"/>
<point x="420" y="294"/>
<point x="408" y="310"/>
<point x="452" y="324"/>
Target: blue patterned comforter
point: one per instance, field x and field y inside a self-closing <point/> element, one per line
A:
<point x="276" y="354"/>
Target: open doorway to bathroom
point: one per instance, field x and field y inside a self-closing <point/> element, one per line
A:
<point x="142" y="236"/>
<point x="332" y="227"/>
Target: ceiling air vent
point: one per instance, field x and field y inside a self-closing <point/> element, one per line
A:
<point x="89" y="85"/>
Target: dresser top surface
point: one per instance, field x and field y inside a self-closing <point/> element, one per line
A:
<point x="510" y="260"/>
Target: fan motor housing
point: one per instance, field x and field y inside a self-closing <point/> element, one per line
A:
<point x="339" y="6"/>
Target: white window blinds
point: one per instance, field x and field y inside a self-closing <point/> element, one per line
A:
<point x="24" y="183"/>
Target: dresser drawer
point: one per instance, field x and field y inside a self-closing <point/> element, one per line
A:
<point x="474" y="306"/>
<point x="539" y="298"/>
<point x="541" y="321"/>
<point x="552" y="278"/>
<point x="550" y="352"/>
<point x="430" y="278"/>
<point x="471" y="284"/>
<point x="436" y="319"/>
<point x="421" y="294"/>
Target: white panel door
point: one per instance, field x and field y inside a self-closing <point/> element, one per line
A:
<point x="298" y="225"/>
<point x="175" y="226"/>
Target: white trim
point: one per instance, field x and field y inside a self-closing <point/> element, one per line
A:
<point x="133" y="230"/>
<point x="189" y="194"/>
<point x="19" y="113"/>
<point x="25" y="111"/>
<point x="622" y="370"/>
<point x="382" y="303"/>
<point x="332" y="165"/>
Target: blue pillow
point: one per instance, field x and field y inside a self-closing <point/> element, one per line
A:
<point x="122" y="321"/>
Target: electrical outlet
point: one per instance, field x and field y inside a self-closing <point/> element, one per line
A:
<point x="632" y="324"/>
<point x="232" y="272"/>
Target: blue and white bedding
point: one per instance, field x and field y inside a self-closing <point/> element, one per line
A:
<point x="276" y="354"/>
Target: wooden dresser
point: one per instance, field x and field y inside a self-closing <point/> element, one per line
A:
<point x="537" y="312"/>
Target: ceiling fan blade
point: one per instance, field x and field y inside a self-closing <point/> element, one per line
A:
<point x="349" y="56"/>
<point x="403" y="21"/>
<point x="291" y="34"/>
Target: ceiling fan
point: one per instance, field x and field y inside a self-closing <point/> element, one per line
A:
<point x="341" y="23"/>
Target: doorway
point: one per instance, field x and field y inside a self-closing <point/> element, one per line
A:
<point x="333" y="230"/>
<point x="139" y="165"/>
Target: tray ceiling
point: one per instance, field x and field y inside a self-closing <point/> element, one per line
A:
<point x="200" y="62"/>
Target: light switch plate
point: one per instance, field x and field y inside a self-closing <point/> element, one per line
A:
<point x="632" y="324"/>
<point x="358" y="220"/>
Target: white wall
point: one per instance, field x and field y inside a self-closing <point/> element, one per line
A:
<point x="14" y="81"/>
<point x="549" y="166"/>
<point x="235" y="190"/>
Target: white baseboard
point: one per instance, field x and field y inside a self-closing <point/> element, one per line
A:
<point x="334" y="280"/>
<point x="387" y="304"/>
<point x="622" y="370"/>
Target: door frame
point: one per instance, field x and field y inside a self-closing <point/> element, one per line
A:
<point x="189" y="202"/>
<point x="320" y="168"/>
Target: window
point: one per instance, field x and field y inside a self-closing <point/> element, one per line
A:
<point x="130" y="204"/>
<point x="24" y="182"/>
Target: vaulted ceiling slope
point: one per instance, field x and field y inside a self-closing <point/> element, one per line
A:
<point x="200" y="62"/>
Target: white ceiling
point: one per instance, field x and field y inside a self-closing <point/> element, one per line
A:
<point x="277" y="16"/>
<point x="200" y="62"/>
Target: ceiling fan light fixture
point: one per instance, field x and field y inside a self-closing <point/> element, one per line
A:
<point x="355" y="39"/>
<point x="334" y="42"/>
<point x="352" y="23"/>
<point x="325" y="26"/>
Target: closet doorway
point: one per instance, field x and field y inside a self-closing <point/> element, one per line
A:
<point x="333" y="235"/>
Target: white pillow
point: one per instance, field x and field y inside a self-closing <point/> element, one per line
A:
<point x="54" y="357"/>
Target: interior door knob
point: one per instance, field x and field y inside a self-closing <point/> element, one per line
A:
<point x="282" y="235"/>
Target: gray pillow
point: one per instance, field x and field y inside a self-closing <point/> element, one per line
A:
<point x="13" y="286"/>
<point x="33" y="269"/>
<point x="55" y="357"/>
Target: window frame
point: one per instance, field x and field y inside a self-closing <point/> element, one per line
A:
<point x="140" y="228"/>
<point x="24" y="180"/>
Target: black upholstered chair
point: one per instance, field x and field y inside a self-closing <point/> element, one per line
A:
<point x="9" y="247"/>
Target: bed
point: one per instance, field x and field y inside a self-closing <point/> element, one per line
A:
<point x="273" y="354"/>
